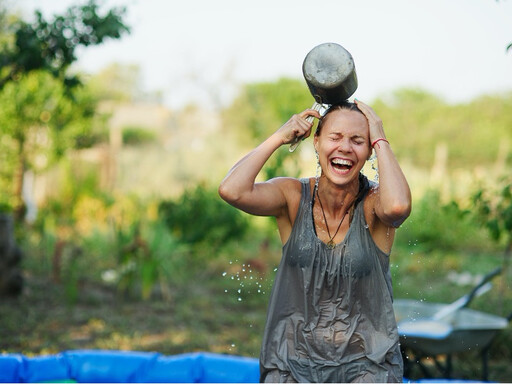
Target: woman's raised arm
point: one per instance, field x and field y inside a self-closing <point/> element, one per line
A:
<point x="393" y="205"/>
<point x="267" y="198"/>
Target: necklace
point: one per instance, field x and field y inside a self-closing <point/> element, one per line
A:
<point x="330" y="244"/>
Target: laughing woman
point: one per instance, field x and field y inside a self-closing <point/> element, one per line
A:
<point x="330" y="316"/>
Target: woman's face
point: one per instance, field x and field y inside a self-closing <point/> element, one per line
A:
<point x="343" y="145"/>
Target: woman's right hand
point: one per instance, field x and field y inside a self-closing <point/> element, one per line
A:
<point x="297" y="126"/>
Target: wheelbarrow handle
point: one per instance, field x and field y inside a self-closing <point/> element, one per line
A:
<point x="484" y="281"/>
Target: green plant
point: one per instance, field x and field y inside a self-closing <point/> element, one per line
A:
<point x="434" y="224"/>
<point x="494" y="211"/>
<point x="138" y="136"/>
<point x="199" y="216"/>
<point x="150" y="259"/>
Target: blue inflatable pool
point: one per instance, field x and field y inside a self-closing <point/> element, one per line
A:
<point x="102" y="366"/>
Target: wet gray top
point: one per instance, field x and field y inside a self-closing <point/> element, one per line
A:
<point x="330" y="316"/>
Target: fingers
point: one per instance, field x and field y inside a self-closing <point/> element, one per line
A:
<point x="374" y="121"/>
<point x="310" y="112"/>
<point x="366" y="109"/>
<point x="299" y="126"/>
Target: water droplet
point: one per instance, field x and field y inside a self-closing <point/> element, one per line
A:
<point x="239" y="299"/>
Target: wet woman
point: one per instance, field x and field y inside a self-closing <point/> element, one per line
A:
<point x="330" y="316"/>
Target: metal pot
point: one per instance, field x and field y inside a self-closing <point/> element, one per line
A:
<point x="330" y="73"/>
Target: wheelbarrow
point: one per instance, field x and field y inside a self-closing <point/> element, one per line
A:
<point x="429" y="330"/>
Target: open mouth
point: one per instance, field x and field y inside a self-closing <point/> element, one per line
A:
<point x="342" y="165"/>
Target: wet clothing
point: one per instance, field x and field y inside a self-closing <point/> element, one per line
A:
<point x="330" y="316"/>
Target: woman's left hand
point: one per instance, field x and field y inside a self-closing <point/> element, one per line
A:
<point x="374" y="121"/>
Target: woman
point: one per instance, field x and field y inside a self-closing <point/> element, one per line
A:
<point x="330" y="316"/>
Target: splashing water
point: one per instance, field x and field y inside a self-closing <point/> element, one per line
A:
<point x="249" y="281"/>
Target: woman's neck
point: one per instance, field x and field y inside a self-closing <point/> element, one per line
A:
<point x="337" y="199"/>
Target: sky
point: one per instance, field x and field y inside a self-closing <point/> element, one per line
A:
<point x="203" y="50"/>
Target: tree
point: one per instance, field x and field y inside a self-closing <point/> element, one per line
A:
<point x="51" y="45"/>
<point x="38" y="125"/>
<point x="43" y="109"/>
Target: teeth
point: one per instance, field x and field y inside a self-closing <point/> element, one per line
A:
<point x="342" y="162"/>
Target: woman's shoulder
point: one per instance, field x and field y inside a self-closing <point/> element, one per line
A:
<point x="292" y="187"/>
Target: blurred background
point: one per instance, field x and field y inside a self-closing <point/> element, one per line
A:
<point x="119" y="119"/>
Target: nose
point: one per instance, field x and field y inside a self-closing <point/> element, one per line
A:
<point x="345" y="145"/>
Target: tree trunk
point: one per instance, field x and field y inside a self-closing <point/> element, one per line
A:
<point x="11" y="280"/>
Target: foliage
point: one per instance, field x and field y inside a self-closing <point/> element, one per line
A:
<point x="38" y="126"/>
<point x="416" y="121"/>
<point x="138" y="136"/>
<point x="50" y="45"/>
<point x="494" y="208"/>
<point x="437" y="225"/>
<point x="40" y="117"/>
<point x="494" y="211"/>
<point x="150" y="257"/>
<point x="199" y="216"/>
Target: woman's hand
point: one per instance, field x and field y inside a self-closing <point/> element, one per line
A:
<point x="374" y="121"/>
<point x="297" y="126"/>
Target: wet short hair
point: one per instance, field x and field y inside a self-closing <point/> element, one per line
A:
<point x="348" y="105"/>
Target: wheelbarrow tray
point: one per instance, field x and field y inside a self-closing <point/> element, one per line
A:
<point x="470" y="329"/>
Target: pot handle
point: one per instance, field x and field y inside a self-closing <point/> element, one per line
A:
<point x="293" y="146"/>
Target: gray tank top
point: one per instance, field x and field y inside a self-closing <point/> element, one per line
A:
<point x="330" y="315"/>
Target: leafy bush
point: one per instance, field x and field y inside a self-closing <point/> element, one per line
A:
<point x="437" y="225"/>
<point x="138" y="136"/>
<point x="150" y="259"/>
<point x="494" y="210"/>
<point x="199" y="216"/>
